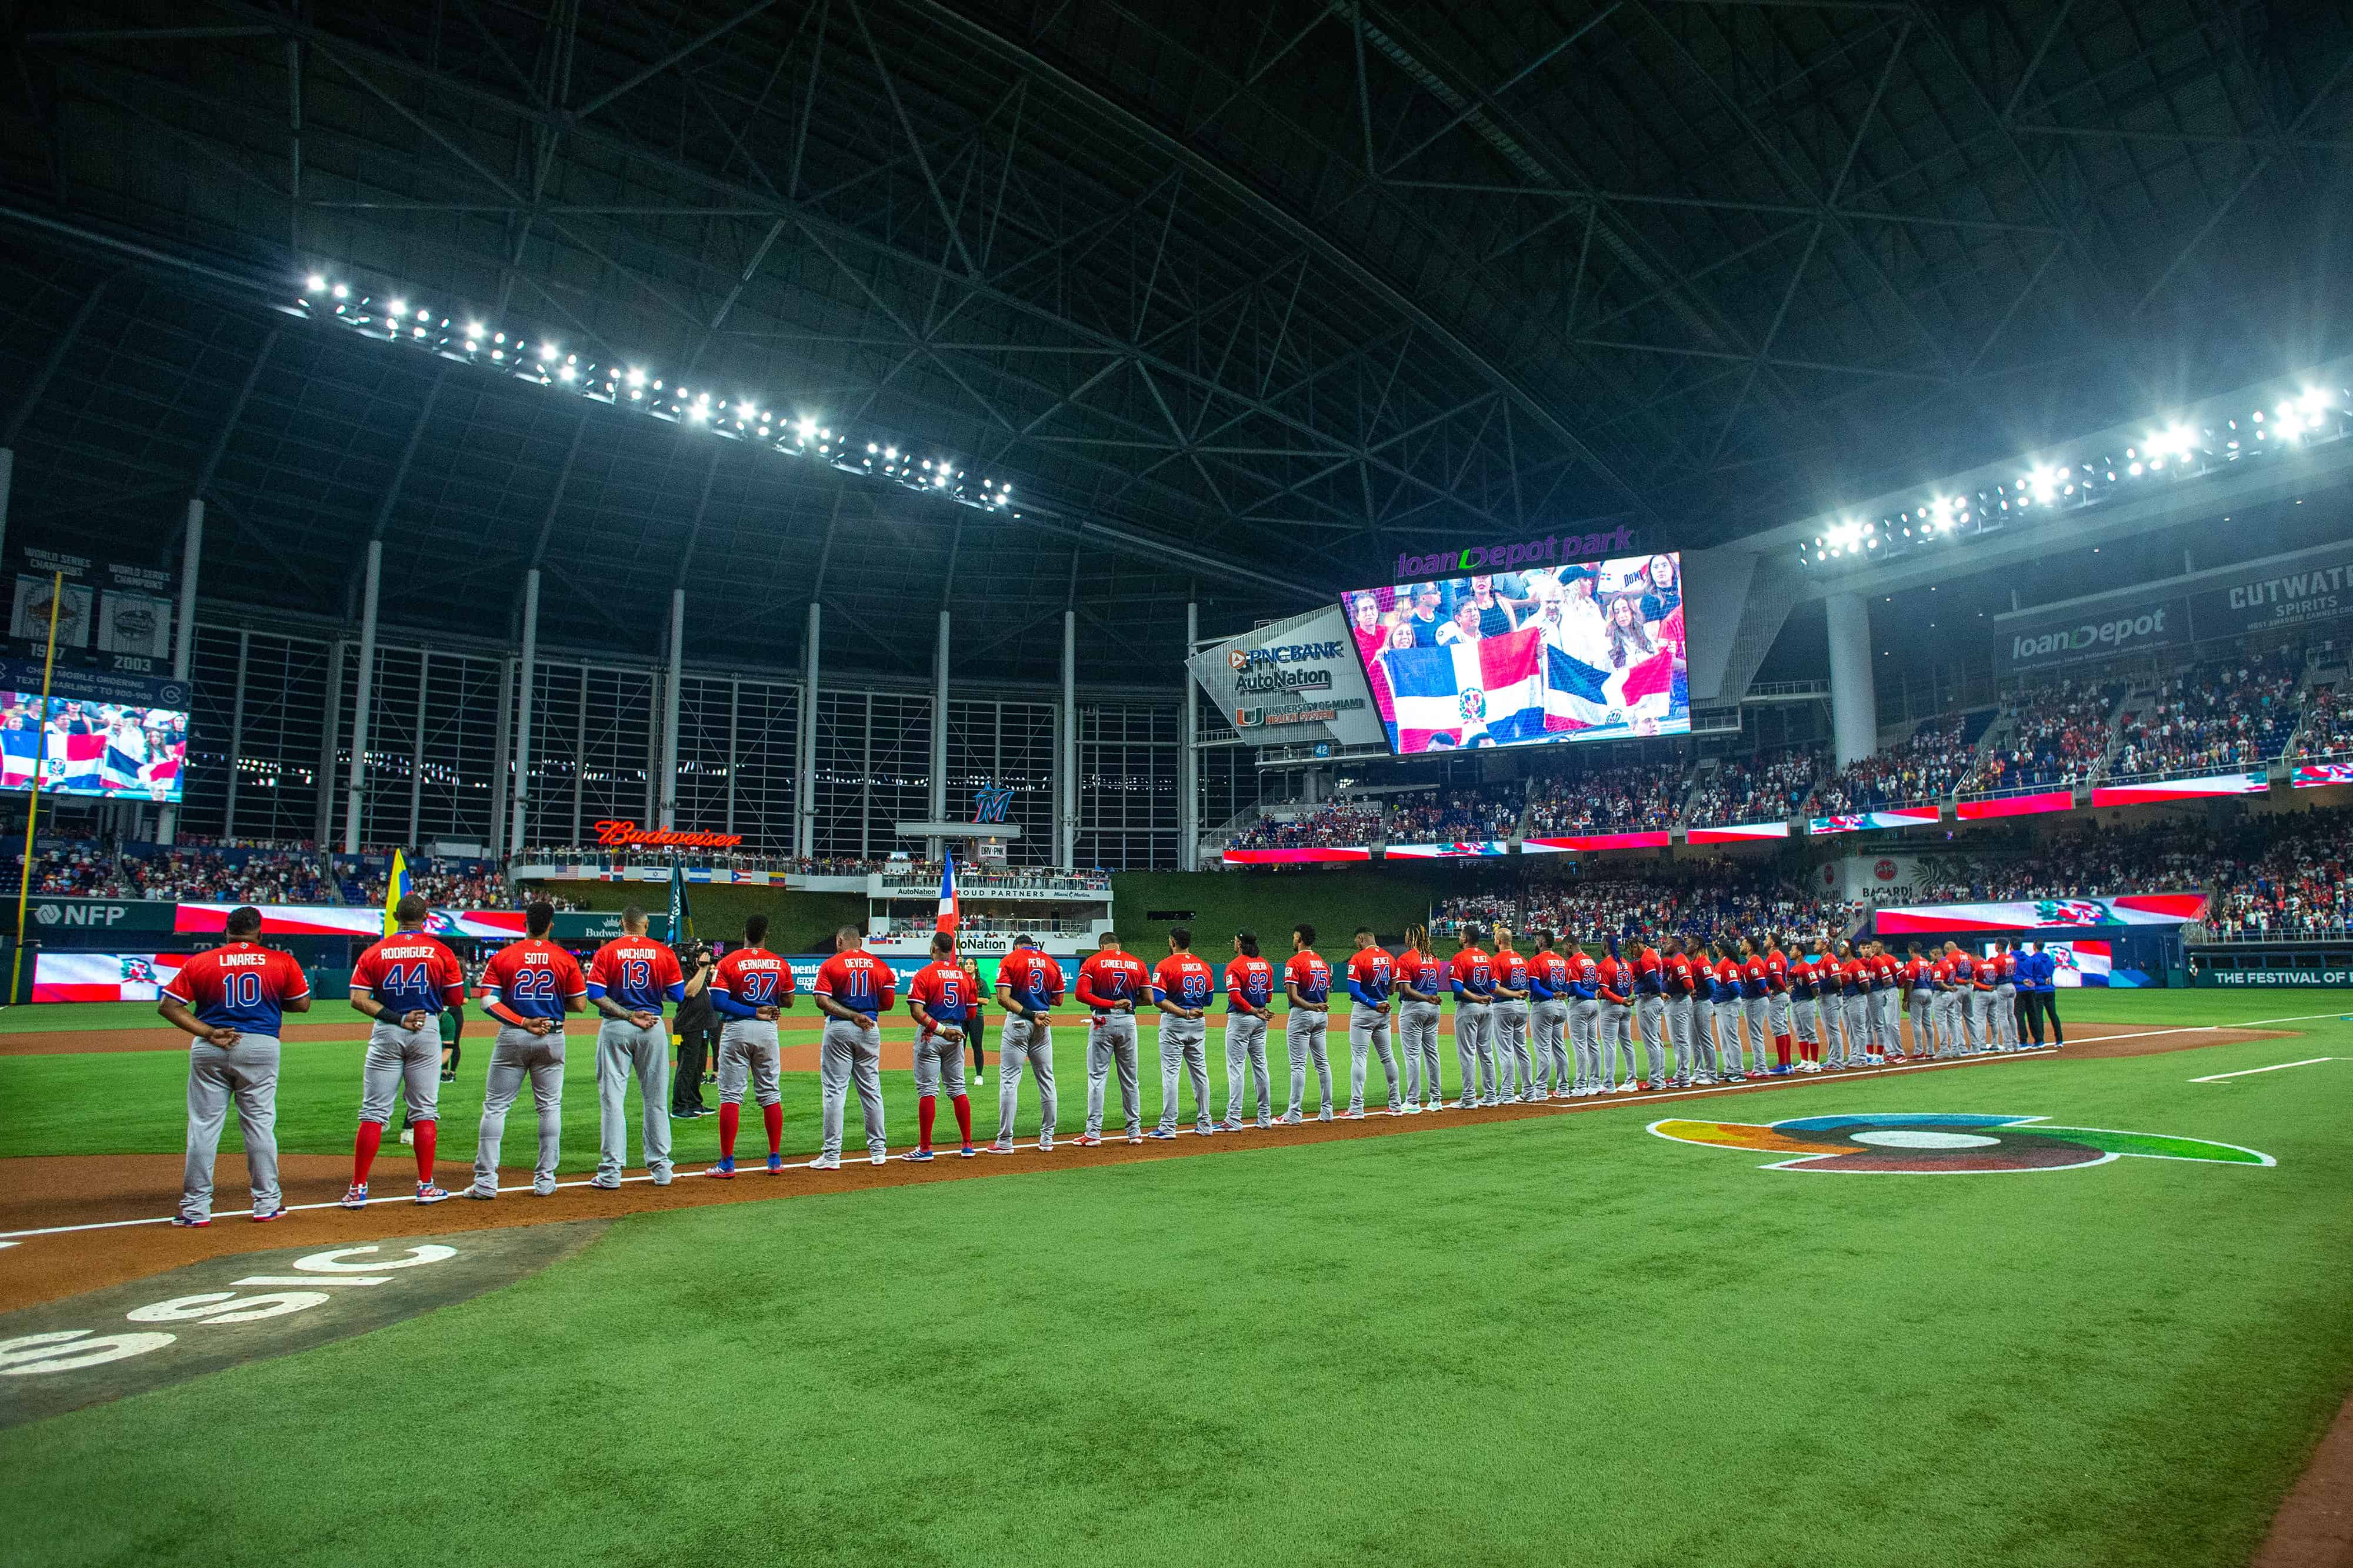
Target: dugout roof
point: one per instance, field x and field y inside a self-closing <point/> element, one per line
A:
<point x="1260" y="294"/>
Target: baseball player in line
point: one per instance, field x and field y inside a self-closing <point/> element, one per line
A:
<point x="1307" y="986"/>
<point x="1421" y="985"/>
<point x="1585" y="1018"/>
<point x="943" y="1000"/>
<point x="751" y="988"/>
<point x="527" y="988"/>
<point x="1549" y="1019"/>
<point x="1510" y="1012"/>
<point x="1028" y="983"/>
<point x="1368" y="976"/>
<point x="853" y="990"/>
<point x="630" y="979"/>
<point x="231" y="1000"/>
<point x="1182" y="986"/>
<point x="1250" y="997"/>
<point x="1473" y="976"/>
<point x="402" y="982"/>
<point x="1110" y="983"/>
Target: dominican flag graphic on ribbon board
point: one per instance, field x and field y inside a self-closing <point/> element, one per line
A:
<point x="948" y="909"/>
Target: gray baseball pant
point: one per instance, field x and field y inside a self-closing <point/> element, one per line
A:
<point x="1246" y="1043"/>
<point x="1418" y="1034"/>
<point x="1584" y="1039"/>
<point x="939" y="1061"/>
<point x="517" y="1055"/>
<point x="748" y="1052"/>
<point x="1650" y="1017"/>
<point x="1550" y="1024"/>
<point x="400" y="1059"/>
<point x="1981" y="1036"/>
<point x="1474" y="1051"/>
<point x="1807" y="1020"/>
<point x="1111" y="1043"/>
<point x="2005" y="1012"/>
<point x="623" y="1050"/>
<point x="1856" y="1015"/>
<point x="1923" y="1028"/>
<point x="1024" y="1044"/>
<point x="1617" y="1038"/>
<point x="1304" y="1034"/>
<point x="1516" y="1068"/>
<point x="1711" y="1051"/>
<point x="848" y="1055"/>
<point x="1780" y="1018"/>
<point x="1889" y="1005"/>
<point x="1753" y="1014"/>
<point x="1693" y="1059"/>
<point x="246" y="1073"/>
<point x="1368" y="1030"/>
<point x="1183" y="1048"/>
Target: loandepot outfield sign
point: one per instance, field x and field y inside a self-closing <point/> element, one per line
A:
<point x="2301" y="586"/>
<point x="1940" y="1143"/>
<point x="1297" y="679"/>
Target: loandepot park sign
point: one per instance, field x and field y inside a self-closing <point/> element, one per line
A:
<point x="1298" y="679"/>
<point x="1550" y="551"/>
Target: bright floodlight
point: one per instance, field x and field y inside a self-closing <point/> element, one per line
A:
<point x="343" y="291"/>
<point x="316" y="283"/>
<point x="567" y="372"/>
<point x="546" y="351"/>
<point x="400" y="307"/>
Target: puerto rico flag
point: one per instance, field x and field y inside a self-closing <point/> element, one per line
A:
<point x="1489" y="692"/>
<point x="948" y="912"/>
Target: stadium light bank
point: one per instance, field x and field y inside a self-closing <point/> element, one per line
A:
<point x="395" y="317"/>
<point x="2272" y="422"/>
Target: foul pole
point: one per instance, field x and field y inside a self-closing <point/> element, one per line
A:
<point x="33" y="801"/>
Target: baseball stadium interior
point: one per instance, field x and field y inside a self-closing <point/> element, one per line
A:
<point x="1785" y="560"/>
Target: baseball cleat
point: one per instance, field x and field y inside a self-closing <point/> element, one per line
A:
<point x="776" y="1164"/>
<point x="1135" y="1136"/>
<point x="1086" y="1140"/>
<point x="968" y="1151"/>
<point x="427" y="1193"/>
<point x="918" y="1155"/>
<point x="1232" y="1125"/>
<point x="1045" y="1143"/>
<point x="182" y="1221"/>
<point x="1205" y="1129"/>
<point x="879" y="1157"/>
<point x="1411" y="1109"/>
<point x="605" y="1183"/>
<point x="724" y="1171"/>
<point x="825" y="1162"/>
<point x="544" y="1189"/>
<point x="356" y="1196"/>
<point x="1352" y="1115"/>
<point x="1002" y="1146"/>
<point x="278" y="1213"/>
<point x="478" y="1194"/>
<point x="409" y="1135"/>
<point x="1161" y="1133"/>
<point x="1289" y="1118"/>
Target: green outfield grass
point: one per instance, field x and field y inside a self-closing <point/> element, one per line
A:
<point x="134" y="1102"/>
<point x="1547" y="1341"/>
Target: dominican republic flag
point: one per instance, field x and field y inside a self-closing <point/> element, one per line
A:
<point x="948" y="910"/>
<point x="1489" y="692"/>
<point x="19" y="754"/>
<point x="76" y="763"/>
<point x="2082" y="962"/>
<point x="1579" y="696"/>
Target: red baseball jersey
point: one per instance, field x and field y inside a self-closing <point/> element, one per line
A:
<point x="1550" y="970"/>
<point x="1679" y="974"/>
<point x="636" y="972"/>
<point x="1107" y="979"/>
<point x="1852" y="973"/>
<point x="1035" y="980"/>
<point x="754" y="977"/>
<point x="857" y="980"/>
<point x="1248" y="978"/>
<point x="1475" y="970"/>
<point x="533" y="978"/>
<point x="1308" y="972"/>
<point x="1983" y="972"/>
<point x="1425" y="971"/>
<point x="1649" y="974"/>
<point x="1915" y="973"/>
<point x="1885" y="969"/>
<point x="945" y="991"/>
<point x="1613" y="979"/>
<point x="1727" y="976"/>
<point x="1369" y="968"/>
<point x="2007" y="962"/>
<point x="410" y="971"/>
<point x="1777" y="970"/>
<point x="240" y="986"/>
<point x="1511" y="971"/>
<point x="1752" y="978"/>
<point x="1584" y="972"/>
<point x="1184" y="979"/>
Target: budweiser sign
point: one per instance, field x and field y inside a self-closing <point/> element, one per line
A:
<point x="629" y="836"/>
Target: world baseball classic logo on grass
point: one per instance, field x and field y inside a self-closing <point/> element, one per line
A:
<point x="1944" y="1143"/>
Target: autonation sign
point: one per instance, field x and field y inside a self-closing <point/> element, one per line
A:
<point x="2065" y="637"/>
<point x="1300" y="675"/>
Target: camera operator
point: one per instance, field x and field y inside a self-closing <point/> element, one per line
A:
<point x="697" y="1028"/>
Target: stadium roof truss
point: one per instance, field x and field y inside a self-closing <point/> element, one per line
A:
<point x="1246" y="297"/>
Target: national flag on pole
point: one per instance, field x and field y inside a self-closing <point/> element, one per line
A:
<point x="949" y="914"/>
<point x="395" y="888"/>
<point x="682" y="918"/>
<point x="1490" y="691"/>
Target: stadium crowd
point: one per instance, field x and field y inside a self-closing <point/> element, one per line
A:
<point x="2058" y="736"/>
<point x="2327" y="725"/>
<point x="1764" y="790"/>
<point x="1640" y="798"/>
<point x="1454" y="817"/>
<point x="1336" y="822"/>
<point x="1703" y="899"/>
<point x="2221" y="715"/>
<point x="1914" y="772"/>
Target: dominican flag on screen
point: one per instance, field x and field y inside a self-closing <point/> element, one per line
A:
<point x="19" y="754"/>
<point x="948" y="914"/>
<point x="76" y="762"/>
<point x="1579" y="696"/>
<point x="1489" y="692"/>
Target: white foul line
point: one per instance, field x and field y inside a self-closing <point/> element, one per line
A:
<point x="751" y="1172"/>
<point x="2275" y="1066"/>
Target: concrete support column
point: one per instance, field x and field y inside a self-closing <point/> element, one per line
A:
<point x="1854" y="698"/>
<point x="672" y="689"/>
<point x="1189" y="756"/>
<point x="805" y="834"/>
<point x="939" y="806"/>
<point x="522" y="748"/>
<point x="183" y="631"/>
<point x="503" y="753"/>
<point x="236" y="733"/>
<point x="416" y="752"/>
<point x="363" y="693"/>
<point x="1069" y="858"/>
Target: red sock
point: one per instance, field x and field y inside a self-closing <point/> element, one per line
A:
<point x="730" y="1116"/>
<point x="426" y="1132"/>
<point x="363" y="1151"/>
<point x="963" y="1115"/>
<point x="774" y="1115"/>
<point x="925" y="1110"/>
<point x="1781" y="1049"/>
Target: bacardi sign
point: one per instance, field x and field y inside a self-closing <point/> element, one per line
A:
<point x="629" y="836"/>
